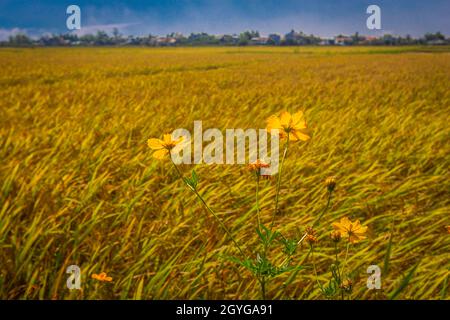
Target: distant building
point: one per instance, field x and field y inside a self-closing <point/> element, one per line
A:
<point x="343" y="40"/>
<point x="259" y="40"/>
<point x="326" y="42"/>
<point x="227" y="38"/>
<point x="166" y="41"/>
<point x="369" y="40"/>
<point x="291" y="36"/>
<point x="295" y="38"/>
<point x="274" y="38"/>
<point x="436" y="42"/>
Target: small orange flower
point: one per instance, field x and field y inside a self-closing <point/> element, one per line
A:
<point x="101" y="277"/>
<point x="311" y="235"/>
<point x="448" y="229"/>
<point x="163" y="146"/>
<point x="292" y="126"/>
<point x="353" y="231"/>
<point x="257" y="166"/>
<point x="311" y="239"/>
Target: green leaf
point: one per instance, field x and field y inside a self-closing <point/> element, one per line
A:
<point x="194" y="178"/>
<point x="331" y="289"/>
<point x="290" y="246"/>
<point x="268" y="236"/>
<point x="260" y="235"/>
<point x="193" y="181"/>
<point x="247" y="263"/>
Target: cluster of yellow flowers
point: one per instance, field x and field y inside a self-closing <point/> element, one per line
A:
<point x="292" y="127"/>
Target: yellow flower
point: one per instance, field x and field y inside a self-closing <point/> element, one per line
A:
<point x="163" y="147"/>
<point x="101" y="277"/>
<point x="353" y="231"/>
<point x="293" y="126"/>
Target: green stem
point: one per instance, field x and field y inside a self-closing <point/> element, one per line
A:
<point x="208" y="208"/>
<point x="345" y="261"/>
<point x="315" y="270"/>
<point x="316" y="223"/>
<point x="318" y="219"/>
<point x="336" y="253"/>
<point x="343" y="277"/>
<point x="263" y="287"/>
<point x="339" y="280"/>
<point x="262" y="281"/>
<point x="257" y="202"/>
<point x="277" y="195"/>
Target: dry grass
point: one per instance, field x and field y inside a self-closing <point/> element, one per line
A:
<point x="78" y="184"/>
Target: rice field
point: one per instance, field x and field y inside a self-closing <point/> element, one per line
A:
<point x="79" y="185"/>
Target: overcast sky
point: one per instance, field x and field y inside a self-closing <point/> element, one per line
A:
<point x="321" y="17"/>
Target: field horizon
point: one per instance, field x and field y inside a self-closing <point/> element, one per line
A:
<point x="79" y="185"/>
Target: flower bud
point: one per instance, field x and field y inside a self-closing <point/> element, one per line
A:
<point x="346" y="285"/>
<point x="330" y="182"/>
<point x="336" y="236"/>
<point x="311" y="237"/>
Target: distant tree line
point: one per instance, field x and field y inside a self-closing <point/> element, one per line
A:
<point x="293" y="38"/>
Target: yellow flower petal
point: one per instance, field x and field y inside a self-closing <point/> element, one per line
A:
<point x="167" y="138"/>
<point x="298" y="135"/>
<point x="160" y="154"/>
<point x="155" y="144"/>
<point x="355" y="238"/>
<point x="286" y="119"/>
<point x="298" y="119"/>
<point x="353" y="231"/>
<point x="273" y="122"/>
<point x="361" y="230"/>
